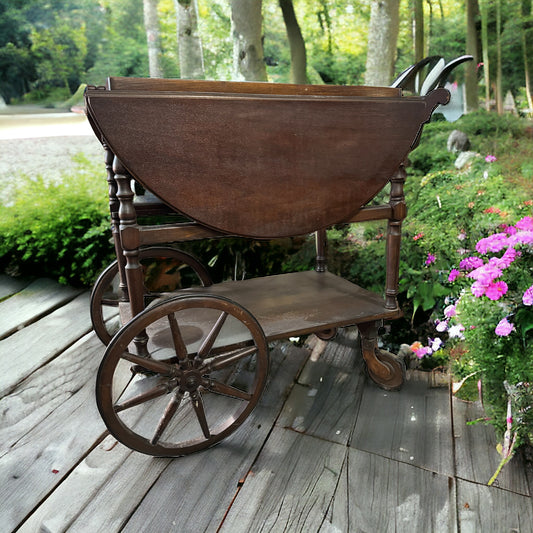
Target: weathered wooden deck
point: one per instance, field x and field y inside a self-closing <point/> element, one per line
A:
<point x="324" y="451"/>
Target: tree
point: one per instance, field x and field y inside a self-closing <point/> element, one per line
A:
<point x="471" y="49"/>
<point x="419" y="30"/>
<point x="151" y="24"/>
<point x="247" y="22"/>
<point x="296" y="43"/>
<point x="189" y="43"/>
<point x="382" y="37"/>
<point x="485" y="48"/>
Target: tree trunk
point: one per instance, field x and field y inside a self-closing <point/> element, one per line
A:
<point x="499" y="95"/>
<point x="526" y="16"/>
<point x="382" y="38"/>
<point x="419" y="30"/>
<point x="247" y="24"/>
<point x="296" y="43"/>
<point x="189" y="43"/>
<point x="151" y="25"/>
<point x="471" y="49"/>
<point x="485" y="47"/>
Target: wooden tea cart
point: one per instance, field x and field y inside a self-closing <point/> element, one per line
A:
<point x="254" y="160"/>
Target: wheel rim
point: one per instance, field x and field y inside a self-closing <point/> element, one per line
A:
<point x="190" y="390"/>
<point x="168" y="276"/>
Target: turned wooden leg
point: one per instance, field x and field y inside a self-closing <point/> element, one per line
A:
<point x="384" y="368"/>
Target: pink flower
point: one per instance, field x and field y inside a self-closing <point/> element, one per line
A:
<point x="454" y="274"/>
<point x="525" y="224"/>
<point x="506" y="259"/>
<point x="418" y="236"/>
<point x="527" y="298"/>
<point x="441" y="326"/>
<point x="521" y="237"/>
<point x="478" y="289"/>
<point x="504" y="328"/>
<point x="490" y="158"/>
<point x="430" y="259"/>
<point x="493" y="243"/>
<point x="450" y="311"/>
<point x="485" y="274"/>
<point x="469" y="263"/>
<point x="496" y="290"/>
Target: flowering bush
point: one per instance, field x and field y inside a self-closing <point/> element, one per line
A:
<point x="491" y="318"/>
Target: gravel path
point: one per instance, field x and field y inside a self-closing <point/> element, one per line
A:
<point x="43" y="145"/>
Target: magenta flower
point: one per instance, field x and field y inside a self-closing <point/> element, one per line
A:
<point x="450" y="311"/>
<point x="454" y="274"/>
<point x="527" y="298"/>
<point x="525" y="224"/>
<point x="485" y="274"/>
<point x="430" y="259"/>
<point x="493" y="243"/>
<point x="506" y="259"/>
<point x="469" y="263"/>
<point x="504" y="328"/>
<point x="478" y="289"/>
<point x="490" y="158"/>
<point x="521" y="237"/>
<point x="496" y="290"/>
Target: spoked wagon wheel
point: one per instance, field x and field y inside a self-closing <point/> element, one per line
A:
<point x="193" y="383"/>
<point x="165" y="269"/>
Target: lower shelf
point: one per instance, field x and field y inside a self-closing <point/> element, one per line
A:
<point x="299" y="303"/>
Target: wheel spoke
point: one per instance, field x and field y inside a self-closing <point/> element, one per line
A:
<point x="227" y="390"/>
<point x="170" y="411"/>
<point x="223" y="361"/>
<point x="212" y="336"/>
<point x="150" y="364"/>
<point x="146" y="396"/>
<point x="109" y="302"/>
<point x="198" y="406"/>
<point x="179" y="344"/>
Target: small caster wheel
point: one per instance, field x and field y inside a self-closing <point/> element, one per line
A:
<point x="165" y="269"/>
<point x="327" y="334"/>
<point x="389" y="372"/>
<point x="205" y="361"/>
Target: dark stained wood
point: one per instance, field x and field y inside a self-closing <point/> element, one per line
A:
<point x="172" y="85"/>
<point x="286" y="166"/>
<point x="286" y="305"/>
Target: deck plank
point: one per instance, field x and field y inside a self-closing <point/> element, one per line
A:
<point x="118" y="480"/>
<point x="290" y="486"/>
<point x="325" y="402"/>
<point x="492" y="510"/>
<point x="33" y="302"/>
<point x="411" y="426"/>
<point x="379" y="494"/>
<point x="41" y="341"/>
<point x="10" y="286"/>
<point x="476" y="455"/>
<point x="48" y="424"/>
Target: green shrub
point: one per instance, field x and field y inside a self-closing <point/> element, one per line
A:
<point x="58" y="229"/>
